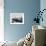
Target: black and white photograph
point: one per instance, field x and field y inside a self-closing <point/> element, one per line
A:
<point x="16" y="18"/>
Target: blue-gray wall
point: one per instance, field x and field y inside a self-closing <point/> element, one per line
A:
<point x="29" y="8"/>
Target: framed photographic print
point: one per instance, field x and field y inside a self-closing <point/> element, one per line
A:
<point x="16" y="18"/>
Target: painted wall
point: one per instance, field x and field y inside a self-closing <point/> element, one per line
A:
<point x="29" y="8"/>
<point x="43" y="6"/>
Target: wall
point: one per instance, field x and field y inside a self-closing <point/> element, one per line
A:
<point x="43" y="6"/>
<point x="29" y="8"/>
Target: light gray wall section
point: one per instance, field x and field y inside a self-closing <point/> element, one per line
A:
<point x="43" y="6"/>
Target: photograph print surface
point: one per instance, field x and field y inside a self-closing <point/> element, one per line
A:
<point x="16" y="18"/>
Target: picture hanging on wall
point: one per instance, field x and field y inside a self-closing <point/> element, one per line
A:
<point x="16" y="18"/>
